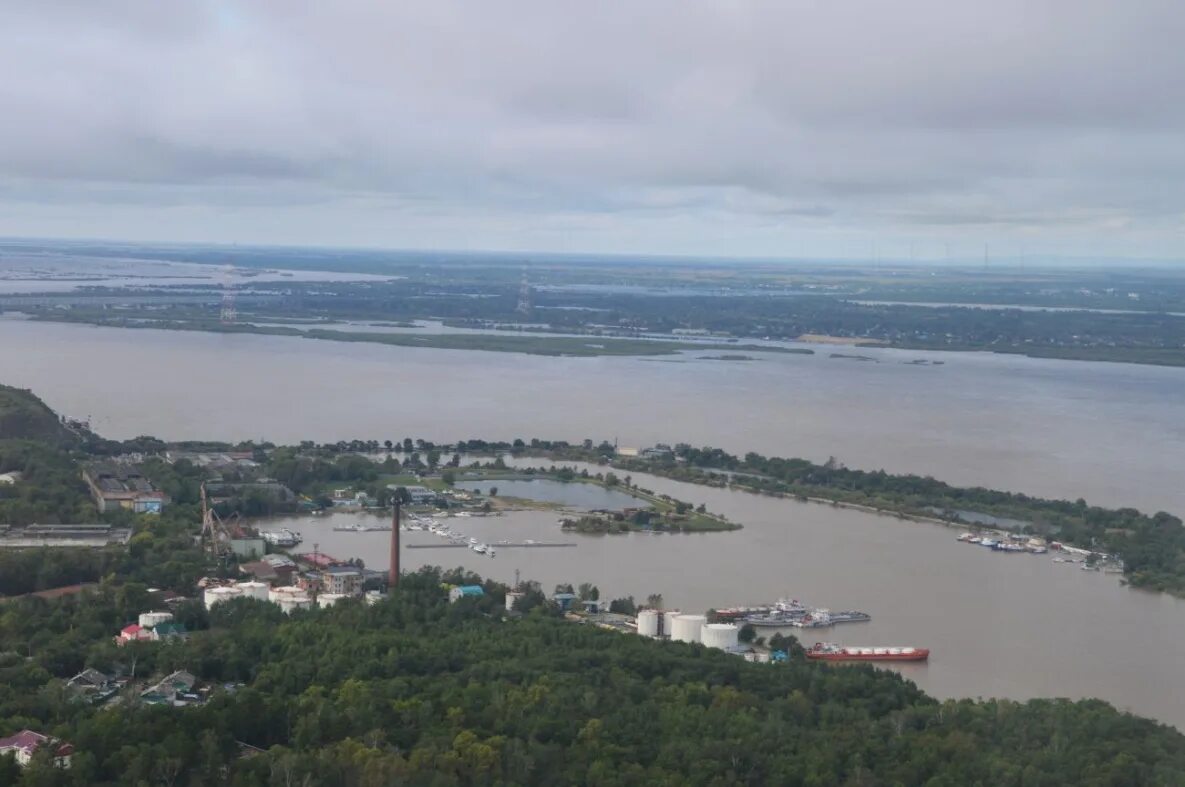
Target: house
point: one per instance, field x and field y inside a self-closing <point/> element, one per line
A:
<point x="92" y="686"/>
<point x="26" y="743"/>
<point x="465" y="591"/>
<point x="89" y="679"/>
<point x="174" y="689"/>
<point x="166" y="631"/>
<point x="117" y="485"/>
<point x="133" y="633"/>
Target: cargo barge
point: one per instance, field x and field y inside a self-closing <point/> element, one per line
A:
<point x="826" y="651"/>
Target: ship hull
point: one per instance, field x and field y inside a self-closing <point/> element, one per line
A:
<point x="921" y="654"/>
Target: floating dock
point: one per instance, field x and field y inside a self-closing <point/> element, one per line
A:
<point x="496" y="546"/>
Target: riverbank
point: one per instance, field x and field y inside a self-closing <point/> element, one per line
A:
<point x="530" y="344"/>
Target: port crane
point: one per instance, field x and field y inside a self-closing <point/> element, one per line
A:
<point x="216" y="531"/>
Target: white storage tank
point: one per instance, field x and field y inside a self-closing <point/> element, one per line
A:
<point x="213" y="596"/>
<point x="291" y="602"/>
<point x="512" y="598"/>
<point x="666" y="622"/>
<point x="151" y="619"/>
<point x="276" y="595"/>
<point x="720" y="635"/>
<point x="329" y="599"/>
<point x="255" y="590"/>
<point x="687" y="628"/>
<point x="648" y="622"/>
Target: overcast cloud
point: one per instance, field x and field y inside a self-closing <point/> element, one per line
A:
<point x="835" y="128"/>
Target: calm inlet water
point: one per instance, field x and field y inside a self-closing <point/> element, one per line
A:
<point x="1000" y="625"/>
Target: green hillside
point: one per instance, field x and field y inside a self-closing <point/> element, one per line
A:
<point x="23" y="415"/>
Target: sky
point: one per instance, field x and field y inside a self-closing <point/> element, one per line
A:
<point x="915" y="129"/>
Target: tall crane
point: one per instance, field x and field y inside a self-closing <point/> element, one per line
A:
<point x="216" y="532"/>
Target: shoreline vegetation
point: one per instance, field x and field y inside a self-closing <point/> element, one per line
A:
<point x="547" y="342"/>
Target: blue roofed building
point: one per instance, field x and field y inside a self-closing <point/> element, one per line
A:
<point x="460" y="592"/>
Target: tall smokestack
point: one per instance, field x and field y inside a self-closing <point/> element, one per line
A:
<point x="393" y="574"/>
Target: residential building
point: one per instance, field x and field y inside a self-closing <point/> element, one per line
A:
<point x="133" y="633"/>
<point x="175" y="689"/>
<point x="166" y="631"/>
<point x="344" y="580"/>
<point x="26" y="743"/>
<point x="117" y="485"/>
<point x="92" y="686"/>
<point x="8" y="479"/>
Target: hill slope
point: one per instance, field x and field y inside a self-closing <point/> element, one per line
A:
<point x="23" y="415"/>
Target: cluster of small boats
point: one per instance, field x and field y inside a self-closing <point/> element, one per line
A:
<point x="791" y="613"/>
<point x="1032" y="546"/>
<point x="438" y="528"/>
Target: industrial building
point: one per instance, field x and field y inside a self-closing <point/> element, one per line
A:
<point x="89" y="536"/>
<point x="117" y="485"/>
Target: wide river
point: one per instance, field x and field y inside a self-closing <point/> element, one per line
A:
<point x="1015" y="626"/>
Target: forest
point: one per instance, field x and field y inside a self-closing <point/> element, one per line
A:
<point x="415" y="690"/>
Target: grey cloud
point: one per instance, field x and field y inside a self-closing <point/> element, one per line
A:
<point x="641" y="127"/>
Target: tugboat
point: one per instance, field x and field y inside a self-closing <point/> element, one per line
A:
<point x="826" y="651"/>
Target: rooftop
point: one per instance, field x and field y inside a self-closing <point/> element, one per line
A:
<point x="29" y="741"/>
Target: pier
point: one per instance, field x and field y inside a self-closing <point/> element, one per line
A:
<point x="497" y="546"/>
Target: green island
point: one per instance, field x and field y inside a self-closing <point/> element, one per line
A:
<point x="408" y="688"/>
